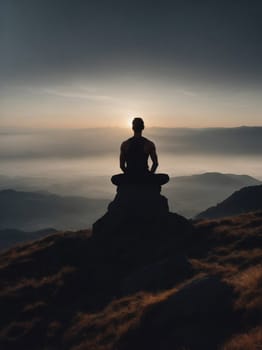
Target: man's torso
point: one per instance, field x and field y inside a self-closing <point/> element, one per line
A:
<point x="137" y="151"/>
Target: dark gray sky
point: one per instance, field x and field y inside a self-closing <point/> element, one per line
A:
<point x="107" y="46"/>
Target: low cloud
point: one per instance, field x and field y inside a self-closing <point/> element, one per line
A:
<point x="19" y="144"/>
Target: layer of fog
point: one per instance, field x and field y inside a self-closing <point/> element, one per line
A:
<point x="81" y="162"/>
<point x="31" y="144"/>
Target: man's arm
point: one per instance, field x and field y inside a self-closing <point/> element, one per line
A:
<point x="153" y="157"/>
<point x="122" y="158"/>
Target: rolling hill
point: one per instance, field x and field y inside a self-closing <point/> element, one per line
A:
<point x="243" y="201"/>
<point x="188" y="195"/>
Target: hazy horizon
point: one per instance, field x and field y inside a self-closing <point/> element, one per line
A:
<point x="81" y="162"/>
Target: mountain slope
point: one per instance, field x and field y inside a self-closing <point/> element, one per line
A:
<point x="188" y="195"/>
<point x="74" y="290"/>
<point x="243" y="201"/>
<point x="10" y="237"/>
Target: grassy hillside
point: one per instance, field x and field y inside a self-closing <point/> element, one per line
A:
<point x="198" y="288"/>
<point x="11" y="237"/>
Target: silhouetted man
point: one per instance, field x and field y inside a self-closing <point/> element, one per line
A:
<point x="134" y="154"/>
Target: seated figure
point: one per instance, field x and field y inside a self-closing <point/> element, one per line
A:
<point x="134" y="154"/>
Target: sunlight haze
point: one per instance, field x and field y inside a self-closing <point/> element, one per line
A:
<point x="183" y="64"/>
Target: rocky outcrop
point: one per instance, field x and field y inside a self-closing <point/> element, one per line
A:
<point x="139" y="207"/>
<point x="148" y="242"/>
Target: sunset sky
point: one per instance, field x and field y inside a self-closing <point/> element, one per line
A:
<point x="77" y="64"/>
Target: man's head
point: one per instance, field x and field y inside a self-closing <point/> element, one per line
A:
<point x="138" y="124"/>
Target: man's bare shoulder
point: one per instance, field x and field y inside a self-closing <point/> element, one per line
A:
<point x="125" y="144"/>
<point x="149" y="144"/>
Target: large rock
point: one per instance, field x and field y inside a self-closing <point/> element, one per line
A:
<point x="139" y="202"/>
<point x="145" y="242"/>
<point x="139" y="228"/>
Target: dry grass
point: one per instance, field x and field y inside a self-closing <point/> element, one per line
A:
<point x="248" y="284"/>
<point x="228" y="248"/>
<point x="235" y="254"/>
<point x="27" y="250"/>
<point x="251" y="340"/>
<point x="55" y="279"/>
<point x="102" y="331"/>
<point x="234" y="241"/>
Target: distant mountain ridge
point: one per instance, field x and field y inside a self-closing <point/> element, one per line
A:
<point x="188" y="195"/>
<point x="248" y="199"/>
<point x="31" y="211"/>
<point x="211" y="178"/>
